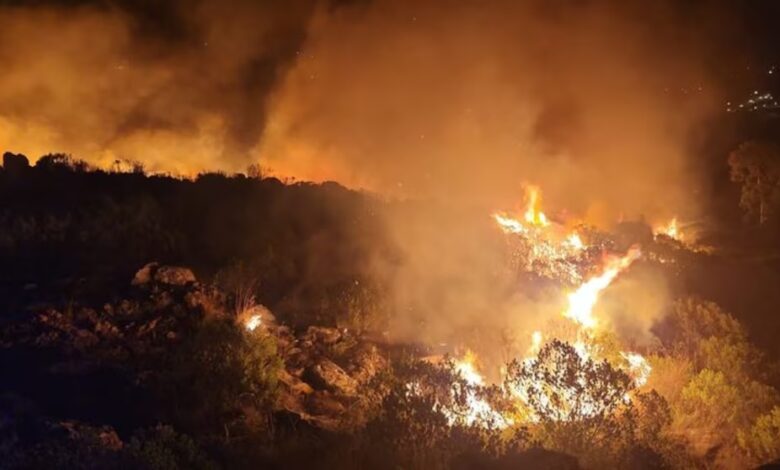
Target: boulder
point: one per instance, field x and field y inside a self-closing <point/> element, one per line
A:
<point x="174" y="275"/>
<point x="209" y="300"/>
<point x="322" y="334"/>
<point x="366" y="363"/>
<point x="324" y="404"/>
<point x="294" y="384"/>
<point x="327" y="374"/>
<point x="145" y="275"/>
<point x="168" y="275"/>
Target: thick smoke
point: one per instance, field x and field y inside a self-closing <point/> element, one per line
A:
<point x="458" y="102"/>
<point x="179" y="86"/>
<point x="593" y="101"/>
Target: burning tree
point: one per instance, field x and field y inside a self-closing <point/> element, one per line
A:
<point x="588" y="408"/>
<point x="430" y="414"/>
<point x="561" y="385"/>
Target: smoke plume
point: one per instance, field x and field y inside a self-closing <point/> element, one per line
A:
<point x="593" y="101"/>
<point x="179" y="86"/>
<point x="457" y="102"/>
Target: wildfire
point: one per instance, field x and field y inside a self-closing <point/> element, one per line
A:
<point x="536" y="341"/>
<point x="478" y="409"/>
<point x="638" y="367"/>
<point x="550" y="245"/>
<point x="252" y="322"/>
<point x="575" y="241"/>
<point x="508" y="224"/>
<point x="548" y="248"/>
<point x="533" y="215"/>
<point x="582" y="301"/>
<point x="467" y="369"/>
<point x="671" y="229"/>
<point x="580" y="311"/>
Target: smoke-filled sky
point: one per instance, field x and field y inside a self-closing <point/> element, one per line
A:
<point x="594" y="101"/>
<point x="459" y="104"/>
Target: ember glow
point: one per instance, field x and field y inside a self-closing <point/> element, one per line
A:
<point x="542" y="242"/>
<point x="536" y="341"/>
<point x="252" y="322"/>
<point x="638" y="366"/>
<point x="508" y="224"/>
<point x="671" y="229"/>
<point x="575" y="241"/>
<point x="478" y="410"/>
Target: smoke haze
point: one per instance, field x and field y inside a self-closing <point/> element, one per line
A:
<point x="593" y="101"/>
<point x="179" y="86"/>
<point x="461" y="103"/>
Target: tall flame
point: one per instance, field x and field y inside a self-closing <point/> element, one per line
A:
<point x="479" y="410"/>
<point x="467" y="369"/>
<point x="533" y="215"/>
<point x="552" y="243"/>
<point x="671" y="229"/>
<point x="582" y="301"/>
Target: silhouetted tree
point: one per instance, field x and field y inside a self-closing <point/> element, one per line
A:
<point x="756" y="165"/>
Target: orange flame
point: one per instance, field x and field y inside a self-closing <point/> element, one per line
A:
<point x="533" y="215"/>
<point x="582" y="301"/>
<point x="252" y="322"/>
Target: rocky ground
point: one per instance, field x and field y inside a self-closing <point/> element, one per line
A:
<point x="321" y="382"/>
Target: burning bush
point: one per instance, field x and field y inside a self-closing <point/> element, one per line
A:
<point x="562" y="386"/>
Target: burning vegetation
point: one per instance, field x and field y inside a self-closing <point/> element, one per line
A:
<point x="292" y="242"/>
<point x="559" y="375"/>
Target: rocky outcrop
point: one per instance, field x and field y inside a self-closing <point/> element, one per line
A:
<point x="166" y="275"/>
<point x="174" y="276"/>
<point x="322" y="335"/>
<point x="145" y="275"/>
<point x="325" y="369"/>
<point x="327" y="375"/>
